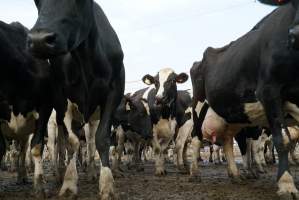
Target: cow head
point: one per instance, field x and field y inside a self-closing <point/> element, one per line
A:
<point x="61" y="26"/>
<point x="274" y="2"/>
<point x="165" y="82"/>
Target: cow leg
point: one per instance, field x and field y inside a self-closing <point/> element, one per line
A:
<point x="158" y="154"/>
<point x="194" y="170"/>
<point x="2" y="150"/>
<point x="256" y="155"/>
<point x="22" y="173"/>
<point x="293" y="155"/>
<point x="118" y="151"/>
<point x="270" y="98"/>
<point x="103" y="134"/>
<point x="233" y="171"/>
<point x="137" y="156"/>
<point x="180" y="143"/>
<point x="91" y="149"/>
<point x="28" y="158"/>
<point x="14" y="156"/>
<point x="51" y="144"/>
<point x="37" y="147"/>
<point x="70" y="182"/>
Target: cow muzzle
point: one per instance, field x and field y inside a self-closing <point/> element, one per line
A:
<point x="293" y="38"/>
<point x="41" y="44"/>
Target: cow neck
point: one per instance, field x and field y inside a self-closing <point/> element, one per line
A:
<point x="168" y="111"/>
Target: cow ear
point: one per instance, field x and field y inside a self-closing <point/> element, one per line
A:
<point x="274" y="2"/>
<point x="181" y="78"/>
<point x="148" y="79"/>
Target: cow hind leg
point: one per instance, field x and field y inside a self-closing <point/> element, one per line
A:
<point x="194" y="170"/>
<point x="273" y="108"/>
<point x="2" y="150"/>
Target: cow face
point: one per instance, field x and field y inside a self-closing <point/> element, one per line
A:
<point x="165" y="82"/>
<point x="61" y="26"/>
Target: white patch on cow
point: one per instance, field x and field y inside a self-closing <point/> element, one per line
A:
<point x="256" y="113"/>
<point x="106" y="183"/>
<point x="128" y="108"/>
<point x="294" y="135"/>
<point x="198" y="108"/>
<point x="293" y="110"/>
<point x="28" y="158"/>
<point x="145" y="97"/>
<point x="256" y="155"/>
<point x="147" y="81"/>
<point x="286" y="184"/>
<point x="163" y="76"/>
<point x="52" y="135"/>
<point x="38" y="168"/>
<point x="20" y="125"/>
<point x="70" y="179"/>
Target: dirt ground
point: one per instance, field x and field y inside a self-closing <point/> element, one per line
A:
<point x="215" y="185"/>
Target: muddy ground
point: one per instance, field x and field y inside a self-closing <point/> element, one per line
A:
<point x="215" y="185"/>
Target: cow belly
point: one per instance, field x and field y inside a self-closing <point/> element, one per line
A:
<point x="19" y="126"/>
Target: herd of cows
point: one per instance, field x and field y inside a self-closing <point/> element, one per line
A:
<point x="64" y="79"/>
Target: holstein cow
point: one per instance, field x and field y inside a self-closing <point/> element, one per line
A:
<point x="130" y="120"/>
<point x="170" y="110"/>
<point x="25" y="96"/>
<point x="87" y="62"/>
<point x="253" y="82"/>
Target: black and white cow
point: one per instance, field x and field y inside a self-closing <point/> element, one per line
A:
<point x="87" y="62"/>
<point x="170" y="111"/>
<point x="25" y="95"/>
<point x="129" y="122"/>
<point x="253" y="82"/>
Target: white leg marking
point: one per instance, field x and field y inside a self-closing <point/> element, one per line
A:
<point x="286" y="184"/>
<point x="70" y="178"/>
<point x="106" y="184"/>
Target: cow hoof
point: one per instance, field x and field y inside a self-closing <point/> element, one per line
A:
<point x="106" y="185"/>
<point x="160" y="172"/>
<point x="289" y="196"/>
<point x="195" y="179"/>
<point x="237" y="179"/>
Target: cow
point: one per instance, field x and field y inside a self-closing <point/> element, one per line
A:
<point x="129" y="121"/>
<point x="87" y="64"/>
<point x="244" y="84"/>
<point x="25" y="95"/>
<point x="170" y="111"/>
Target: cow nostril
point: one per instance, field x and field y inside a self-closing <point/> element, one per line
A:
<point x="50" y="39"/>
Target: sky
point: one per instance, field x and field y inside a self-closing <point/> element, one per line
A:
<point x="163" y="33"/>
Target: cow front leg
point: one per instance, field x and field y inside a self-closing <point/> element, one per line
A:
<point x="118" y="151"/>
<point x="22" y="173"/>
<point x="158" y="156"/>
<point x="90" y="133"/>
<point x="70" y="182"/>
<point x="233" y="171"/>
<point x="37" y="147"/>
<point x="2" y="151"/>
